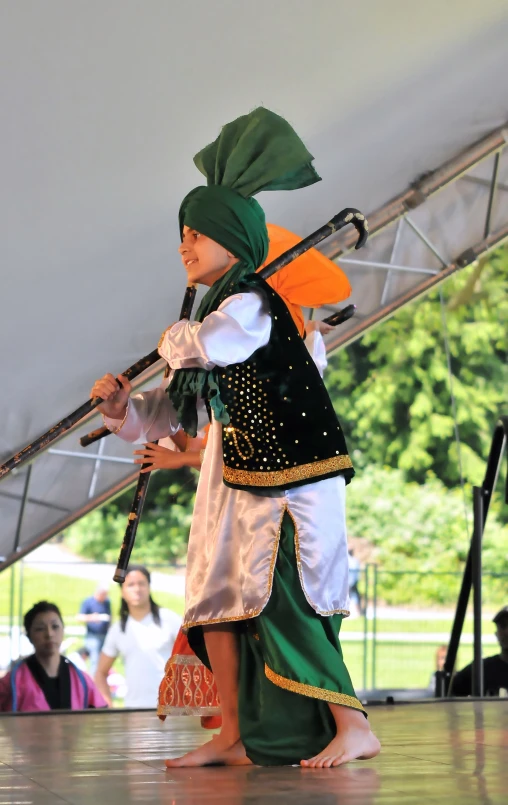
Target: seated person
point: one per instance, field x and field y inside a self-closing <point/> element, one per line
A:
<point x="495" y="669"/>
<point x="46" y="680"/>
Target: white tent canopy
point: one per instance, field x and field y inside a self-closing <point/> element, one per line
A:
<point x="104" y="104"/>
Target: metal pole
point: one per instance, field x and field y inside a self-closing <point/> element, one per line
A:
<point x="96" y="469"/>
<point x="477" y="689"/>
<point x="338" y="341"/>
<point x="20" y="605"/>
<point x="374" y="629"/>
<point x="11" y="611"/>
<point x="489" y="484"/>
<point x="19" y="524"/>
<point x="365" y="626"/>
<point x="492" y="195"/>
<point x="387" y="267"/>
<point x="426" y="241"/>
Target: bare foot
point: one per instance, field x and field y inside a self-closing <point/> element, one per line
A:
<point x="218" y="751"/>
<point x="355" y="743"/>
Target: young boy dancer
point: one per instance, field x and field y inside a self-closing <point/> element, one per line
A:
<point x="267" y="579"/>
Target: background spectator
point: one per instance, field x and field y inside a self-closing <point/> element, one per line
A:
<point x="46" y="680"/>
<point x="96" y="613"/>
<point x="495" y="669"/>
<point x="441" y="652"/>
<point x="80" y="658"/>
<point x="143" y="637"/>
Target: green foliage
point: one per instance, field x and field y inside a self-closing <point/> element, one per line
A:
<point x="162" y="533"/>
<point x="391" y="388"/>
<point x="421" y="528"/>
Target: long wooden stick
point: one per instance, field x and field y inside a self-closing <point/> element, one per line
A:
<point x="349" y="215"/>
<point x="346" y="216"/>
<point x="144" y="477"/>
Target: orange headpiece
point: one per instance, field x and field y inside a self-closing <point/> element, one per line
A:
<point x="311" y="280"/>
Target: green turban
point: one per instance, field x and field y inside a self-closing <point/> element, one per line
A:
<point x="223" y="215"/>
<point x="258" y="151"/>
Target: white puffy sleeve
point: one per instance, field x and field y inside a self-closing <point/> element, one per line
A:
<point x="231" y="334"/>
<point x="150" y="416"/>
<point x="317" y="350"/>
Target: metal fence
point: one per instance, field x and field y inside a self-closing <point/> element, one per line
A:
<point x="390" y="645"/>
<point x="386" y="644"/>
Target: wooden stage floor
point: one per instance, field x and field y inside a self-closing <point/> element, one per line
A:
<point x="432" y="752"/>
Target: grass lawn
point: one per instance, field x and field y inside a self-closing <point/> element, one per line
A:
<point x="397" y="665"/>
<point x="65" y="591"/>
<point x="420" y="626"/>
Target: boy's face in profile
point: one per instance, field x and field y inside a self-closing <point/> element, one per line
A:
<point x="205" y="260"/>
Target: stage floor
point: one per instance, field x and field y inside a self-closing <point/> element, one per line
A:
<point x="432" y="752"/>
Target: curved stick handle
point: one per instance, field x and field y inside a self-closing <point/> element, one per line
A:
<point x="341" y="316"/>
<point x="349" y="215"/>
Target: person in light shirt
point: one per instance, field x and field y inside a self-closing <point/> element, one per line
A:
<point x="143" y="637"/>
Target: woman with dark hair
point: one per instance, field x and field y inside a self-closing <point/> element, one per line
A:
<point x="143" y="637"/>
<point x="46" y="680"/>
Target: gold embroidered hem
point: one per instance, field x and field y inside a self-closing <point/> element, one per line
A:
<point x="302" y="472"/>
<point x="182" y="659"/>
<point x="167" y="710"/>
<point x="313" y="692"/>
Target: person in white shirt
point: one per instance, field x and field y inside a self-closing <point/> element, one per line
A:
<point x="143" y="637"/>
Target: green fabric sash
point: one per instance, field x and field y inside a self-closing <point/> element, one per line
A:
<point x="189" y="384"/>
<point x="258" y="151"/>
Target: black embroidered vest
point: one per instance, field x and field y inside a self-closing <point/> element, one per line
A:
<point x="283" y="430"/>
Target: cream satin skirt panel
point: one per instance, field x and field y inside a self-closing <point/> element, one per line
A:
<point x="234" y="539"/>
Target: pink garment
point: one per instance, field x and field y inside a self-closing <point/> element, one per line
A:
<point x="29" y="697"/>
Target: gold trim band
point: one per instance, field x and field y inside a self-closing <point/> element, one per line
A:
<point x="166" y="710"/>
<point x="183" y="659"/>
<point x="313" y="692"/>
<point x="282" y="477"/>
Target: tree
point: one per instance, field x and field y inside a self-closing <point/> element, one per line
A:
<point x="422" y="529"/>
<point x="162" y="532"/>
<point x="391" y="388"/>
